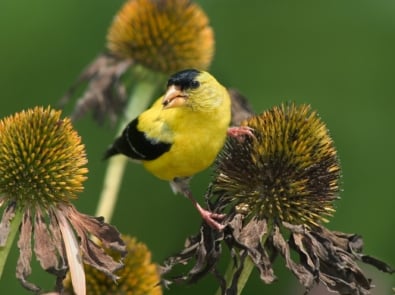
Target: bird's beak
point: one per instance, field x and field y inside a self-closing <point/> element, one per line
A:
<point x="174" y="97"/>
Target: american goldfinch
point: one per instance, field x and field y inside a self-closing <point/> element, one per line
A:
<point x="182" y="133"/>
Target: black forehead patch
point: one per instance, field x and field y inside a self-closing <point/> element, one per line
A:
<point x="185" y="79"/>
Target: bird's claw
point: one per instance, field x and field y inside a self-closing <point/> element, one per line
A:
<point x="239" y="131"/>
<point x="212" y="218"/>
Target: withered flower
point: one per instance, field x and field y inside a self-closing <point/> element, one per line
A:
<point x="277" y="190"/>
<point x="139" y="276"/>
<point x="42" y="168"/>
<point x="288" y="172"/>
<point x="162" y="36"/>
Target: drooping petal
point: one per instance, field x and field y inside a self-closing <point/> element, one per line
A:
<point x="48" y="248"/>
<point x="8" y="214"/>
<point x="105" y="94"/>
<point x="56" y="235"/>
<point x="205" y="248"/>
<point x="44" y="247"/>
<point x="93" y="254"/>
<point x="250" y="237"/>
<point x="73" y="254"/>
<point x="23" y="268"/>
<point x="304" y="276"/>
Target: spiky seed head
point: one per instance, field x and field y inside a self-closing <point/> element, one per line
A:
<point x="163" y="35"/>
<point x="288" y="172"/>
<point x="41" y="158"/>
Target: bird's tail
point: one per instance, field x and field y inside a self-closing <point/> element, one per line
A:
<point x="111" y="151"/>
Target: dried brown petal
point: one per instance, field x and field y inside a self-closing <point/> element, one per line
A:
<point x="57" y="248"/>
<point x="73" y="253"/>
<point x="46" y="248"/>
<point x="56" y="235"/>
<point x="23" y="269"/>
<point x="8" y="215"/>
<point x="355" y="246"/>
<point x="204" y="247"/>
<point x="333" y="257"/>
<point x="57" y="239"/>
<point x="93" y="254"/>
<point x="250" y="237"/>
<point x="305" y="277"/>
<point x="105" y="94"/>
<point x="325" y="256"/>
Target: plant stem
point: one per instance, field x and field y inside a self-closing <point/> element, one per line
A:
<point x="14" y="228"/>
<point x="247" y="269"/>
<point x="138" y="101"/>
<point x="245" y="274"/>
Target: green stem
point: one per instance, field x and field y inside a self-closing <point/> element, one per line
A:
<point x="139" y="100"/>
<point x="245" y="273"/>
<point x="14" y="228"/>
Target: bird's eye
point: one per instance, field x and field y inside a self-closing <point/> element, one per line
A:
<point x="195" y="84"/>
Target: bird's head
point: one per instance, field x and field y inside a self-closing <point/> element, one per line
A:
<point x="195" y="89"/>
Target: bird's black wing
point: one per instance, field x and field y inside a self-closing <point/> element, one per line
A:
<point x="134" y="144"/>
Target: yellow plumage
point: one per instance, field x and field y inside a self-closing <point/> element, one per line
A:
<point x="196" y="130"/>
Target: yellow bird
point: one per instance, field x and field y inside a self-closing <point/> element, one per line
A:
<point x="182" y="133"/>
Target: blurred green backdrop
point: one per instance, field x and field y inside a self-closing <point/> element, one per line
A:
<point x="338" y="56"/>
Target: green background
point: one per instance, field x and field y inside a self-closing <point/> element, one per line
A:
<point x="336" y="55"/>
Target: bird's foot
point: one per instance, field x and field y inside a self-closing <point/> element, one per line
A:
<point x="180" y="184"/>
<point x="240" y="131"/>
<point x="211" y="218"/>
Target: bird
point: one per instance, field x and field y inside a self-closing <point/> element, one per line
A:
<point x="182" y="133"/>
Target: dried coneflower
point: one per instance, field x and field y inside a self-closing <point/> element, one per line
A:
<point x="139" y="276"/>
<point x="42" y="168"/>
<point x="277" y="189"/>
<point x="288" y="172"/>
<point x="162" y="36"/>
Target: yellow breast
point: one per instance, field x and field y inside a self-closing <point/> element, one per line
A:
<point x="196" y="137"/>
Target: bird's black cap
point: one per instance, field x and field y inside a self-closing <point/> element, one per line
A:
<point x="185" y="79"/>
